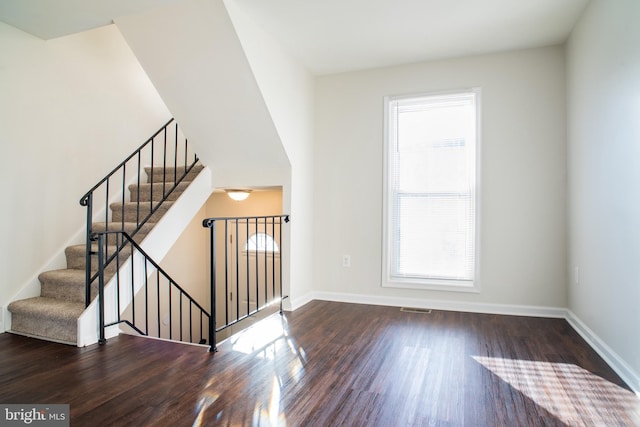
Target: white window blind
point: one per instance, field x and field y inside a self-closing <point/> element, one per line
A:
<point x="431" y="189"/>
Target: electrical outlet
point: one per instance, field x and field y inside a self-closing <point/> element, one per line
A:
<point x="346" y="260"/>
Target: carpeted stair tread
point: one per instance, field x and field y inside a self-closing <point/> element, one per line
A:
<point x="172" y="174"/>
<point x="48" y="307"/>
<point x="47" y="318"/>
<point x="137" y="211"/>
<point x="143" y="192"/>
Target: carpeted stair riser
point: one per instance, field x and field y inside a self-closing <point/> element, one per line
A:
<point x="144" y="192"/>
<point x="48" y="318"/>
<point x="67" y="285"/>
<point x="77" y="258"/>
<point x="171" y="174"/>
<point x="137" y="212"/>
<point x="54" y="314"/>
<point x="129" y="227"/>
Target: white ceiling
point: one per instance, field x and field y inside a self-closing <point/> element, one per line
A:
<point x="49" y="19"/>
<point x="331" y="36"/>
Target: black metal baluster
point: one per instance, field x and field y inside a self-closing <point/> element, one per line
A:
<point x="138" y="198"/>
<point x="257" y="267"/>
<point x="280" y="260"/>
<point x="133" y="300"/>
<point x="175" y="158"/>
<point x="226" y="272"/>
<point x="158" y="299"/>
<point x="186" y="155"/>
<point x="107" y="207"/>
<point x="281" y="253"/>
<point x="118" y="244"/>
<point x="124" y="177"/>
<point x="191" y="322"/>
<point x="237" y="278"/>
<point x="150" y="177"/>
<point x="146" y="297"/>
<point x="88" y="200"/>
<point x="101" y="326"/>
<point x="180" y="302"/>
<point x="246" y="253"/>
<point x="164" y="165"/>
<point x="266" y="264"/>
<point x="212" y="296"/>
<point x="273" y="258"/>
<point x="169" y="295"/>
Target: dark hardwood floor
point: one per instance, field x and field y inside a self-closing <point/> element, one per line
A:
<point x="332" y="364"/>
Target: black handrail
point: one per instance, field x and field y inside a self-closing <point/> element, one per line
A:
<point x="157" y="159"/>
<point x="262" y="272"/>
<point x="176" y="297"/>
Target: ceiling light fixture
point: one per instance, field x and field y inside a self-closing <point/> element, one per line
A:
<point x="238" y="195"/>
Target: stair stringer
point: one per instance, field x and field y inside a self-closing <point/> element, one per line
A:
<point x="157" y="244"/>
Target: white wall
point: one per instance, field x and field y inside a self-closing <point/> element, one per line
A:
<point x="262" y="202"/>
<point x="603" y="74"/>
<point x="288" y="90"/>
<point x="192" y="54"/>
<point x="523" y="175"/>
<point x="66" y="111"/>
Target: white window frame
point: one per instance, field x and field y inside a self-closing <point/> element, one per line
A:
<point x="416" y="282"/>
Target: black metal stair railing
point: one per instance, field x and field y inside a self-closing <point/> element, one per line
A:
<point x="145" y="297"/>
<point x="246" y="268"/>
<point x="165" y="149"/>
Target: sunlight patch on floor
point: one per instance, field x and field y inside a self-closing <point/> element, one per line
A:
<point x="567" y="391"/>
<point x="266" y="336"/>
<point x="205" y="401"/>
<point x="265" y="340"/>
<point x="270" y="415"/>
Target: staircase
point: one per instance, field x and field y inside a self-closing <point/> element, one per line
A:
<point x="54" y="314"/>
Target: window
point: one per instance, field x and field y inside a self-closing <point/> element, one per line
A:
<point x="261" y="242"/>
<point x="431" y="191"/>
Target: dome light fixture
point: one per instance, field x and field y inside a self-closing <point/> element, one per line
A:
<point x="237" y="195"/>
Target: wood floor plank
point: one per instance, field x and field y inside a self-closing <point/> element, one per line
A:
<point x="332" y="364"/>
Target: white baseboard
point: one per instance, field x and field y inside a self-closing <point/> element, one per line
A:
<point x="617" y="363"/>
<point x="294" y="304"/>
<point x="471" y="307"/>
